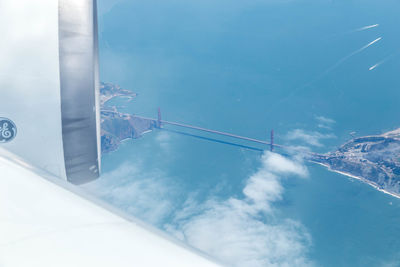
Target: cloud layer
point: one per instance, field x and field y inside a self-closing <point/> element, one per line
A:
<point x="324" y="122"/>
<point x="308" y="137"/>
<point x="246" y="231"/>
<point x="148" y="195"/>
<point x="240" y="231"/>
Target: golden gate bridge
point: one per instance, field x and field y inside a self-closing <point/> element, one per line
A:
<point x="159" y="122"/>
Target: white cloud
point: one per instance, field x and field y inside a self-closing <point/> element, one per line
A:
<point x="310" y="138"/>
<point x="246" y="231"/>
<point x="147" y="195"/>
<point x="239" y="231"/>
<point x="324" y="122"/>
<point x="164" y="140"/>
<point x="324" y="126"/>
<point x="281" y="165"/>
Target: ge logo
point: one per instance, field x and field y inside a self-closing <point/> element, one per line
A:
<point x="8" y="130"/>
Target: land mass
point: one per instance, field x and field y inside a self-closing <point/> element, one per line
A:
<point x="117" y="126"/>
<point x="372" y="159"/>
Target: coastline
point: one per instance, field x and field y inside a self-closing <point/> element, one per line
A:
<point x="358" y="178"/>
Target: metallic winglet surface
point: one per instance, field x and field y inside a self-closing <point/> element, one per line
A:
<point x="79" y="89"/>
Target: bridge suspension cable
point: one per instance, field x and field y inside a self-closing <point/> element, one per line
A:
<point x="159" y="122"/>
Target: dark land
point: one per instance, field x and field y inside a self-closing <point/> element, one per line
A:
<point x="117" y="126"/>
<point x="373" y="159"/>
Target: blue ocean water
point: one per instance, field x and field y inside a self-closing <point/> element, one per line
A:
<point x="250" y="66"/>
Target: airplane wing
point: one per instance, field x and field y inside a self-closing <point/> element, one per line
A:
<point x="44" y="221"/>
<point x="49" y="141"/>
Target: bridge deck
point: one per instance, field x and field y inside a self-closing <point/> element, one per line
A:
<point x="160" y="122"/>
<point x="210" y="131"/>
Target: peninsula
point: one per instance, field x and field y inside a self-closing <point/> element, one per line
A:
<point x="372" y="159"/>
<point x="117" y="126"/>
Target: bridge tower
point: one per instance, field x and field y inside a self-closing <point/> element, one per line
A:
<point x="158" y="124"/>
<point x="272" y="140"/>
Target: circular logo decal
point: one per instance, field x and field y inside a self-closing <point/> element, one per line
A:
<point x="8" y="130"/>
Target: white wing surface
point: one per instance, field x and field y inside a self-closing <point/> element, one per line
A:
<point x="43" y="224"/>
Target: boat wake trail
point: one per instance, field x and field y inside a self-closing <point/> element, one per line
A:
<point x="366" y="28"/>
<point x="384" y="60"/>
<point x="327" y="71"/>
